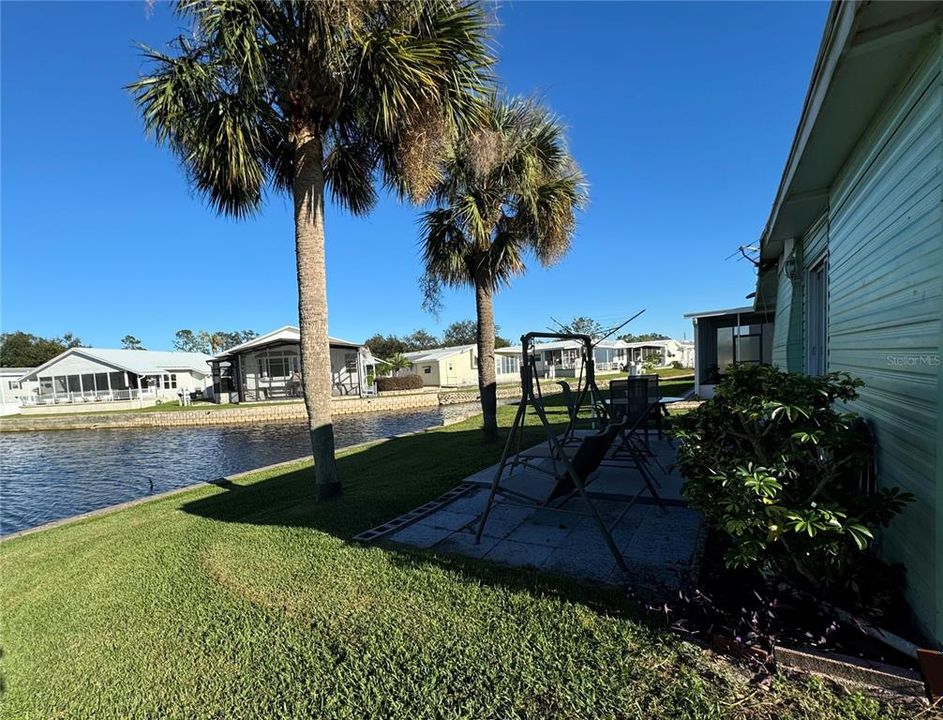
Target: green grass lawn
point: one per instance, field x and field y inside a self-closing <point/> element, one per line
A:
<point x="251" y="601"/>
<point x="670" y="372"/>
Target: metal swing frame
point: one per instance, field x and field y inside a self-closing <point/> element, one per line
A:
<point x="532" y="396"/>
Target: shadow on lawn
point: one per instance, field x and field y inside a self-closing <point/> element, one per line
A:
<point x="379" y="483"/>
<point x="384" y="481"/>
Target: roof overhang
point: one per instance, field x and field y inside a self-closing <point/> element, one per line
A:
<point x="866" y="50"/>
<point x="725" y="311"/>
<point x="287" y="334"/>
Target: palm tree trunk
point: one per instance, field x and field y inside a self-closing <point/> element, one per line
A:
<point x="312" y="308"/>
<point x="487" y="383"/>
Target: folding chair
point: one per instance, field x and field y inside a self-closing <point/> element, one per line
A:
<point x="633" y="397"/>
<point x="654" y="397"/>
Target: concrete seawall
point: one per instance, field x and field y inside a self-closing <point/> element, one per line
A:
<point x="288" y="412"/>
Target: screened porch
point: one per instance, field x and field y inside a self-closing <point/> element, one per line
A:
<point x="274" y="373"/>
<point x="100" y="387"/>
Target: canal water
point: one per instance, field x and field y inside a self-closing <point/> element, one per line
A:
<point x="46" y="476"/>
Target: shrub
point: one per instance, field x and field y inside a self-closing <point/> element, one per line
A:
<point x="651" y="361"/>
<point x="676" y="364"/>
<point x="399" y="382"/>
<point x="774" y="465"/>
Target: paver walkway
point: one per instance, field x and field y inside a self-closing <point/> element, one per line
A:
<point x="659" y="545"/>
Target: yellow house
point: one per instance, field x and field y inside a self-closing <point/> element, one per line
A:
<point x="457" y="366"/>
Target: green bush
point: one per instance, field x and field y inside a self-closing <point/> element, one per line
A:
<point x="776" y="466"/>
<point x="651" y="361"/>
<point x="676" y="364"/>
<point x="399" y="382"/>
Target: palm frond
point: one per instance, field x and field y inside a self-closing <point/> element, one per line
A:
<point x="383" y="84"/>
<point x="348" y="172"/>
<point x="423" y="73"/>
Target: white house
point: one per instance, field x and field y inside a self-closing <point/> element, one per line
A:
<point x="667" y="351"/>
<point x="563" y="358"/>
<point x="83" y="375"/>
<point x="457" y="366"/>
<point x="269" y="367"/>
<point x="12" y="391"/>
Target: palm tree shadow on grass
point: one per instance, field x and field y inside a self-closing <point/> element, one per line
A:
<point x="380" y="482"/>
<point x="384" y="481"/>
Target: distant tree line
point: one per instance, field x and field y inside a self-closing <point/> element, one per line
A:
<point x="644" y="337"/>
<point x="587" y="326"/>
<point x="21" y="349"/>
<point x="462" y="332"/>
<point x="211" y="343"/>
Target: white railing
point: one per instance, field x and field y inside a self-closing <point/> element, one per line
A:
<point x="609" y="366"/>
<point x="88" y="397"/>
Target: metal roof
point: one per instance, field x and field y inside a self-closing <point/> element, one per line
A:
<point x="286" y="333"/>
<point x="563" y="345"/>
<point x="436" y="354"/>
<point x="140" y="362"/>
<point x="729" y="311"/>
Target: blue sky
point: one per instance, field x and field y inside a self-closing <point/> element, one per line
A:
<point x="681" y="116"/>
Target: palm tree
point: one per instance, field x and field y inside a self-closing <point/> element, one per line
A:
<point x="399" y="362"/>
<point x="509" y="187"/>
<point x="302" y="96"/>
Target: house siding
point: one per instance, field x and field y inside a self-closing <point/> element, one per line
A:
<point x="885" y="283"/>
<point x="785" y="316"/>
<point x="789" y="328"/>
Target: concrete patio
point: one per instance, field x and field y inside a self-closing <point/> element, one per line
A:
<point x="660" y="545"/>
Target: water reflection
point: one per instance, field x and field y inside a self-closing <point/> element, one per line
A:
<point x="53" y="475"/>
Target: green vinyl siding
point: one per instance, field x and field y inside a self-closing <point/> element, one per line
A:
<point x="782" y="328"/>
<point x="885" y="284"/>
<point x="788" y="326"/>
<point x="814" y="246"/>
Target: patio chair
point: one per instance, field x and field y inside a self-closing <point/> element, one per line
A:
<point x="634" y="397"/>
<point x="657" y="412"/>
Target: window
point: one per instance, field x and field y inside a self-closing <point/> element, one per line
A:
<point x="101" y="382"/>
<point x="278" y="364"/>
<point x="507" y="365"/>
<point x="13" y="385"/>
<point x="88" y="383"/>
<point x="749" y="344"/>
<point x="74" y="383"/>
<point x="427" y="369"/>
<point x="350" y="362"/>
<point x="816" y="318"/>
<point x="724" y="348"/>
<point x="170" y="381"/>
<point x="118" y="381"/>
<point x="278" y="367"/>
